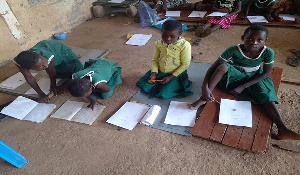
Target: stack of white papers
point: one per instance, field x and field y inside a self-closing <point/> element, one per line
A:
<point x="116" y="1"/>
<point x="257" y="19"/>
<point x="138" y="40"/>
<point x="236" y="113"/>
<point x="173" y="13"/>
<point x="197" y="14"/>
<point x="14" y="81"/>
<point x="217" y="14"/>
<point x="179" y="114"/>
<point x="151" y="115"/>
<point x="25" y="109"/>
<point x="78" y="112"/>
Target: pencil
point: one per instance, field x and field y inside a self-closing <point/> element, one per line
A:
<point x="156" y="80"/>
<point x="215" y="100"/>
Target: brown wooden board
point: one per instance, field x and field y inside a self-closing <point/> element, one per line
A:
<point x="254" y="139"/>
<point x="238" y="21"/>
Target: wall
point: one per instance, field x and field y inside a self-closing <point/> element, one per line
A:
<point x="23" y="23"/>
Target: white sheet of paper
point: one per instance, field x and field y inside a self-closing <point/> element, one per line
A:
<point x="197" y="14"/>
<point x="116" y="1"/>
<point x="19" y="108"/>
<point x="287" y="17"/>
<point x="257" y="19"/>
<point x="40" y="112"/>
<point x="173" y="13"/>
<point x="128" y="115"/>
<point x="179" y="114"/>
<point x="44" y="84"/>
<point x="151" y="115"/>
<point x="236" y="113"/>
<point x="217" y="14"/>
<point x="14" y="81"/>
<point x="68" y="110"/>
<point x="138" y="39"/>
<point x="87" y="115"/>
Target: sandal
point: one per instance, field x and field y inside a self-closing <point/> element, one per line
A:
<point x="296" y="52"/>
<point x="294" y="61"/>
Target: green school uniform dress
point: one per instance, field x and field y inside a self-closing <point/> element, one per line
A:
<point x="241" y="68"/>
<point x="169" y="59"/>
<point x="65" y="61"/>
<point x="101" y="70"/>
<point x="260" y="6"/>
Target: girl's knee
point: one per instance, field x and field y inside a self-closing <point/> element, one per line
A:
<point x="223" y="68"/>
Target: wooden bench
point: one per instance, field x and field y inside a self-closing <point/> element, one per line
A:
<point x="238" y="21"/>
<point x="254" y="139"/>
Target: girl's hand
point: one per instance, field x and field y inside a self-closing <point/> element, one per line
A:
<point x="43" y="98"/>
<point x="238" y="90"/>
<point x="207" y="95"/>
<point x="151" y="78"/>
<point x="167" y="79"/>
<point x="93" y="102"/>
<point x="56" y="90"/>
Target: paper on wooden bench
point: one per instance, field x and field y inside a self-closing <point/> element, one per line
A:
<point x="44" y="84"/>
<point x="287" y="17"/>
<point x="236" y="113"/>
<point x="173" y="13"/>
<point x="217" y="14"/>
<point x="25" y="109"/>
<point x="197" y="14"/>
<point x="257" y="19"/>
<point x="78" y="112"/>
<point x="151" y="115"/>
<point x="179" y="114"/>
<point x="14" y="81"/>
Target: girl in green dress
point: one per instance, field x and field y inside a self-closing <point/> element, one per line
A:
<point x="96" y="80"/>
<point x="264" y="7"/>
<point x="238" y="71"/>
<point x="53" y="56"/>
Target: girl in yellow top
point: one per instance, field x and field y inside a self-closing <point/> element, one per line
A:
<point x="172" y="56"/>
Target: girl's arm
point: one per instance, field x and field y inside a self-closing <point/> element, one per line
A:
<point x="267" y="70"/>
<point x="43" y="98"/>
<point x="93" y="102"/>
<point x="238" y="6"/>
<point x="102" y="87"/>
<point x="155" y="65"/>
<point x="250" y="2"/>
<point x="52" y="75"/>
<point x="269" y="11"/>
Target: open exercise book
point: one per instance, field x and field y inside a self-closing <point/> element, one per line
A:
<point x="130" y="114"/>
<point x="26" y="109"/>
<point x="78" y="112"/>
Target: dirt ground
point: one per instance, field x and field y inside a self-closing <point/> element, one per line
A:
<point x="62" y="147"/>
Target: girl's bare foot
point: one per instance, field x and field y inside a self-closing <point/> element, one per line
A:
<point x="288" y="135"/>
<point x="196" y="104"/>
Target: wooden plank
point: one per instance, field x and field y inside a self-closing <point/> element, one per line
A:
<point x="219" y="129"/>
<point x="8" y="70"/>
<point x="248" y="134"/>
<point x="263" y="134"/>
<point x="238" y="21"/>
<point x="254" y="139"/>
<point x="205" y="123"/>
